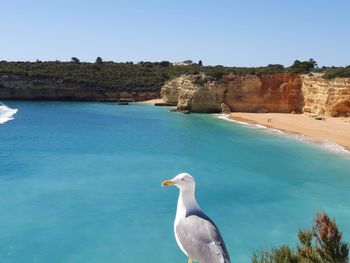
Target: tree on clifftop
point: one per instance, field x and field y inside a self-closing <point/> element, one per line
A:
<point x="303" y="67"/>
<point x="164" y="63"/>
<point x="75" y="60"/>
<point x="98" y="60"/>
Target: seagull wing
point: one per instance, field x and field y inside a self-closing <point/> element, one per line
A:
<point x="201" y="239"/>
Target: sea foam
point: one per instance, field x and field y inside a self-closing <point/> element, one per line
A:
<point x="6" y="113"/>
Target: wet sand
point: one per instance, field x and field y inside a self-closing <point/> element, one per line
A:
<point x="336" y="130"/>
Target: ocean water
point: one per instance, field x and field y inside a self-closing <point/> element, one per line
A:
<point x="80" y="183"/>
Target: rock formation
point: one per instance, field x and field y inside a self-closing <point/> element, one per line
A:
<point x="193" y="92"/>
<point x="267" y="93"/>
<point x="14" y="87"/>
<point x="170" y="90"/>
<point x="245" y="93"/>
<point x="225" y="108"/>
<point x="200" y="93"/>
<point x="326" y="97"/>
<point x="283" y="93"/>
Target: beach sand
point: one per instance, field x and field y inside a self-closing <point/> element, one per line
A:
<point x="151" y="101"/>
<point x="336" y="130"/>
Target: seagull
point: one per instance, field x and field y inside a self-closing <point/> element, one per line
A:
<point x="195" y="233"/>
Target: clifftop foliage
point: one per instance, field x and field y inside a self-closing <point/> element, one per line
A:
<point x="321" y="244"/>
<point x="143" y="75"/>
<point x="334" y="72"/>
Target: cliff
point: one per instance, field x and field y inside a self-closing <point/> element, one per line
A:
<point x="282" y="93"/>
<point x="244" y="93"/>
<point x="193" y="92"/>
<point x="15" y="87"/>
<point x="326" y="97"/>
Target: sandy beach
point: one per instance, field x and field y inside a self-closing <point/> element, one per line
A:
<point x="153" y="101"/>
<point x="336" y="130"/>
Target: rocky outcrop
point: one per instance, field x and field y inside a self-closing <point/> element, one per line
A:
<point x="326" y="97"/>
<point x="171" y="89"/>
<point x="193" y="92"/>
<point x="245" y="93"/>
<point x="225" y="108"/>
<point x="14" y="87"/>
<point x="284" y="93"/>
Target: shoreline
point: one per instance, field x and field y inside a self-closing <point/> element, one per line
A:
<point x="151" y="102"/>
<point x="328" y="132"/>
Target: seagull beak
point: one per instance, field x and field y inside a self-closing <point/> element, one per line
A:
<point x="168" y="183"/>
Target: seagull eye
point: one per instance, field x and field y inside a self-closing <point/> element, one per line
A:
<point x="182" y="179"/>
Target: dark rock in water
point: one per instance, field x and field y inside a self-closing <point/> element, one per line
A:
<point x="165" y="104"/>
<point x="110" y="100"/>
<point x="125" y="100"/>
<point x="123" y="103"/>
<point x="181" y="111"/>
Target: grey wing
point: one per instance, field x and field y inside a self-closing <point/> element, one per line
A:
<point x="202" y="240"/>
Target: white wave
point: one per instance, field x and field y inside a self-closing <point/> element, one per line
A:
<point x="334" y="147"/>
<point x="326" y="144"/>
<point x="226" y="118"/>
<point x="260" y="126"/>
<point x="277" y="131"/>
<point x="6" y="113"/>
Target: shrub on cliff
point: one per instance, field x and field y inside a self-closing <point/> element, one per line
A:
<point x="283" y="254"/>
<point x="75" y="60"/>
<point x="98" y="60"/>
<point x="336" y="72"/>
<point x="146" y="76"/>
<point x="303" y="67"/>
<point x="321" y="244"/>
<point x="217" y="72"/>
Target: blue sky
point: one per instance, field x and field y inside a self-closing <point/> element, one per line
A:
<point x="233" y="33"/>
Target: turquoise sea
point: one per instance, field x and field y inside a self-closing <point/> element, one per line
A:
<point x="80" y="183"/>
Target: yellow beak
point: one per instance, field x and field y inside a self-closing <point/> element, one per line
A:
<point x="168" y="183"/>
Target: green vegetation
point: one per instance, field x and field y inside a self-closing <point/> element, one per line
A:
<point x="121" y="76"/>
<point x="75" y="60"/>
<point x="98" y="60"/>
<point x="321" y="244"/>
<point x="145" y="75"/>
<point x="303" y="67"/>
<point x="334" y="72"/>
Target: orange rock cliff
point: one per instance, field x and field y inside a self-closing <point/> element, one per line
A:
<point x="284" y="93"/>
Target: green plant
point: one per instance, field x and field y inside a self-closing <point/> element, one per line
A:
<point x="98" y="60"/>
<point x="75" y="60"/>
<point x="321" y="244"/>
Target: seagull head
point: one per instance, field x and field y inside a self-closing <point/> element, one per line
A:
<point x="183" y="181"/>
